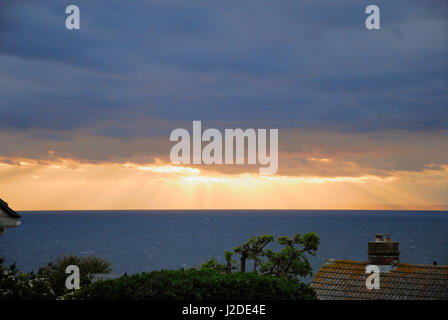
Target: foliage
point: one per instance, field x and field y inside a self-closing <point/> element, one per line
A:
<point x="274" y="276"/>
<point x="290" y="262"/>
<point x="194" y="284"/>
<point x="15" y="285"/>
<point x="91" y="265"/>
<point x="88" y="267"/>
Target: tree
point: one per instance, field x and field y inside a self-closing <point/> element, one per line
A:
<point x="290" y="262"/>
<point x="252" y="250"/>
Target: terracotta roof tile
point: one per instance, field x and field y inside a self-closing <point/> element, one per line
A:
<point x="345" y="279"/>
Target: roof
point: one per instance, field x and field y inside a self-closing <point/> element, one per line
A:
<point x="345" y="280"/>
<point x="5" y="208"/>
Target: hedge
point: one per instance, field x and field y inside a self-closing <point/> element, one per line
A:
<point x="195" y="284"/>
<point x="15" y="285"/>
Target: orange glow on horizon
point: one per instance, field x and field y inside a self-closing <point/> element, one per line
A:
<point x="66" y="184"/>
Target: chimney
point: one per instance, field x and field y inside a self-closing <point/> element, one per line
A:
<point x="383" y="251"/>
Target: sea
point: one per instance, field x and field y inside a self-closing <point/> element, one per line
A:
<point x="138" y="241"/>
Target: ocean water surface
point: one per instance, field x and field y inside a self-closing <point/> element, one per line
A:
<point x="136" y="241"/>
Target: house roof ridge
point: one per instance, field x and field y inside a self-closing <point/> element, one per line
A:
<point x="4" y="206"/>
<point x="345" y="261"/>
<point x="414" y="265"/>
<point x="422" y="265"/>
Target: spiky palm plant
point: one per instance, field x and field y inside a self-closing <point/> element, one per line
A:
<point x="88" y="267"/>
<point x="94" y="265"/>
<point x="67" y="260"/>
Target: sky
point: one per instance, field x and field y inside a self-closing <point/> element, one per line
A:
<point x="85" y="115"/>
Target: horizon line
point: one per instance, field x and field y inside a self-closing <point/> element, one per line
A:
<point x="208" y="209"/>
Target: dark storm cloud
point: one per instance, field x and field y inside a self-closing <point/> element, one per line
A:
<point x="252" y="63"/>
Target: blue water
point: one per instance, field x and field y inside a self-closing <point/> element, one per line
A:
<point x="136" y="241"/>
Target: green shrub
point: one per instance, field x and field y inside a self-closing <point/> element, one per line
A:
<point x="15" y="285"/>
<point x="194" y="284"/>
